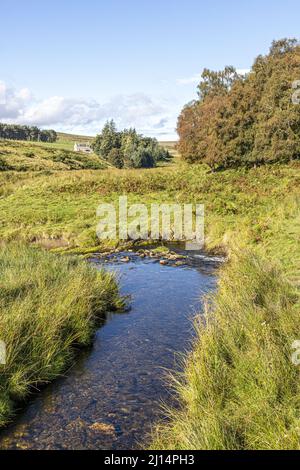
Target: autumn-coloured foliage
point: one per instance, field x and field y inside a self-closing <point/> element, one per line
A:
<point x="245" y="120"/>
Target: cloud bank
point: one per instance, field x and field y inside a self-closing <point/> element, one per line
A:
<point x="148" y="115"/>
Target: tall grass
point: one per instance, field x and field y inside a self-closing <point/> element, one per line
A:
<point x="48" y="306"/>
<point x="240" y="388"/>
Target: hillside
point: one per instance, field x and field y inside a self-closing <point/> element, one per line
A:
<point x="67" y="141"/>
<point x="36" y="156"/>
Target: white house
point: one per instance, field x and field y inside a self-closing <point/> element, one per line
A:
<point x="85" y="148"/>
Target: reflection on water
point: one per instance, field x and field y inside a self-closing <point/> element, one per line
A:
<point x="111" y="397"/>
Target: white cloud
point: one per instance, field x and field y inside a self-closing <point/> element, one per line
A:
<point x="149" y="115"/>
<point x="12" y="102"/>
<point x="2" y="94"/>
<point x="24" y="94"/>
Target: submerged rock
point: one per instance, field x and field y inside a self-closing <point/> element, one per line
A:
<point x="163" y="262"/>
<point x="103" y="427"/>
<point x="180" y="263"/>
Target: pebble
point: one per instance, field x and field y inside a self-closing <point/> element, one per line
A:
<point x="103" y="427"/>
<point x="163" y="262"/>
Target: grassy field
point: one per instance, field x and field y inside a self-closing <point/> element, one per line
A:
<point x="67" y="141"/>
<point x="240" y="388"/>
<point x="36" y="205"/>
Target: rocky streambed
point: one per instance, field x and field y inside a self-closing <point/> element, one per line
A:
<point x="112" y="396"/>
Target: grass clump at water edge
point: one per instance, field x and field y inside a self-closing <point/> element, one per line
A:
<point x="48" y="306"/>
<point x="240" y="388"/>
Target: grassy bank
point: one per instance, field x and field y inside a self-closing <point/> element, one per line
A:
<point x="48" y="306"/>
<point x="240" y="388"/>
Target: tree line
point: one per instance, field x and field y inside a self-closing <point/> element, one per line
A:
<point x="128" y="148"/>
<point x="245" y="120"/>
<point x="34" y="134"/>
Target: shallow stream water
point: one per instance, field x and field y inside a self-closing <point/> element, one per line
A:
<point x="112" y="396"/>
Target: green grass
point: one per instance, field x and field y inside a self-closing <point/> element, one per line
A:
<point x="252" y="202"/>
<point x="239" y="388"/>
<point x="67" y="141"/>
<point x="49" y="306"/>
<point x="172" y="149"/>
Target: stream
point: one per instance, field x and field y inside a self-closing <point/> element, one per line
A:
<point x="111" y="398"/>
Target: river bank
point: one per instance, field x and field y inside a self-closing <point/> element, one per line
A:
<point x="49" y="307"/>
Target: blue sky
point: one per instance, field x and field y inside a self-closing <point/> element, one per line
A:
<point x="73" y="64"/>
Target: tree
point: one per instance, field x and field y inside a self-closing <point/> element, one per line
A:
<point x="283" y="46"/>
<point x="217" y="83"/>
<point x="115" y="157"/>
<point x="245" y="120"/>
<point x="142" y="158"/>
<point x="130" y="141"/>
<point x="128" y="148"/>
<point x="108" y="140"/>
<point x="17" y="132"/>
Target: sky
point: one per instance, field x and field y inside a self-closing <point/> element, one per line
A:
<point x="72" y="64"/>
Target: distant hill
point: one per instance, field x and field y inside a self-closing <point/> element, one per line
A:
<point x="74" y="138"/>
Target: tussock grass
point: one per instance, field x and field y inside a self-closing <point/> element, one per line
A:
<point x="240" y="388"/>
<point x="48" y="306"/>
